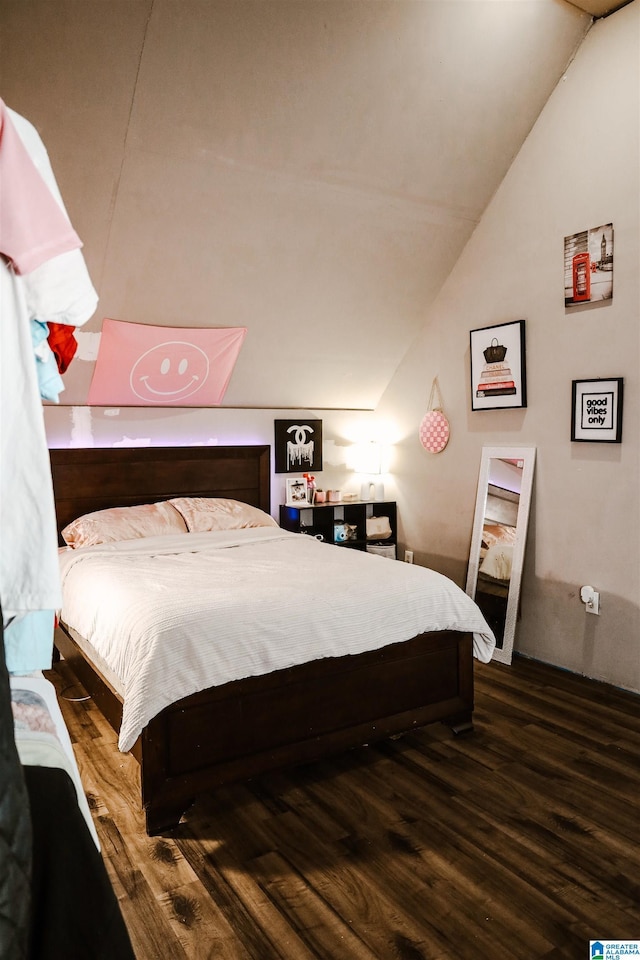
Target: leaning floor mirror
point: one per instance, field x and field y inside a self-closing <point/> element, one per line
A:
<point x="498" y="540"/>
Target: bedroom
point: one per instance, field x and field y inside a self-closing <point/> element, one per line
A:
<point x="267" y="229"/>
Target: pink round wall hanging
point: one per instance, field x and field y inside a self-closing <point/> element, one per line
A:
<point x="434" y="431"/>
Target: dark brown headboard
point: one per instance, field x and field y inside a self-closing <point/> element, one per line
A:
<point x="95" y="478"/>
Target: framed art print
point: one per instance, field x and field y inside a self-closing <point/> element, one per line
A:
<point x="588" y="266"/>
<point x="298" y="446"/>
<point x="498" y="375"/>
<point x="596" y="410"/>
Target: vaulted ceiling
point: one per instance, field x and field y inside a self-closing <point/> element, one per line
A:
<point x="600" y="8"/>
<point x="311" y="171"/>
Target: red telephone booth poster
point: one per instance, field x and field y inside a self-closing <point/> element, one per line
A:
<point x="588" y="266"/>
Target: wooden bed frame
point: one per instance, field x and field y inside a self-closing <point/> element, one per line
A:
<point x="242" y="729"/>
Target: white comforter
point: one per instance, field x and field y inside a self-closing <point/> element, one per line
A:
<point x="498" y="561"/>
<point x="173" y="615"/>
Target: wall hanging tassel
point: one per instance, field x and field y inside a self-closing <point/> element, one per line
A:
<point x="434" y="429"/>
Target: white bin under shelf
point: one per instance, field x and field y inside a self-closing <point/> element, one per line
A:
<point x="383" y="549"/>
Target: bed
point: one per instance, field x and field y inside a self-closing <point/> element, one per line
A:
<point x="283" y="711"/>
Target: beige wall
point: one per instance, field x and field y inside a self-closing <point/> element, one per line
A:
<point x="219" y="171"/>
<point x="579" y="168"/>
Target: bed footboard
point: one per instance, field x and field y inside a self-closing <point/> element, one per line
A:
<point x="246" y="728"/>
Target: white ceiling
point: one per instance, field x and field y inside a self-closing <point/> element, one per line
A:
<point x="311" y="171"/>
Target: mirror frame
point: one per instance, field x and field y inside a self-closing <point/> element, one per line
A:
<point x="503" y="654"/>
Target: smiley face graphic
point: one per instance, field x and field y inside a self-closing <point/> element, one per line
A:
<point x="169" y="372"/>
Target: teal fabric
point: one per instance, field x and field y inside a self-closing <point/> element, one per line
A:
<point x="50" y="382"/>
<point x="29" y="642"/>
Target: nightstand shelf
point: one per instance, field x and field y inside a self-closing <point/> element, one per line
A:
<point x="323" y="520"/>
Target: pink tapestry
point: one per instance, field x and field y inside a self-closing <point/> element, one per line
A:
<point x="139" y="365"/>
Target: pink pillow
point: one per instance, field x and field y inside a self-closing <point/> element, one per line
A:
<point x="123" y="523"/>
<point x="216" y="513"/>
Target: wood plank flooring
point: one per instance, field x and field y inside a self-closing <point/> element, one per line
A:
<point x="517" y="841"/>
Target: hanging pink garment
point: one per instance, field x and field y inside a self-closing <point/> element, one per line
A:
<point x="33" y="226"/>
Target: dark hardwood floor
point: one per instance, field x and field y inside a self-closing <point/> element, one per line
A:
<point x="517" y="841"/>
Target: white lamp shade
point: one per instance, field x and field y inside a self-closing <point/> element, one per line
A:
<point x="367" y="458"/>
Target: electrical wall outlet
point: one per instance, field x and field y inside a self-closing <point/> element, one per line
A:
<point x="591" y="599"/>
<point x="593" y="604"/>
<point x="408" y="556"/>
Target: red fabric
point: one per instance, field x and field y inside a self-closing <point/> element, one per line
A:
<point x="62" y="343"/>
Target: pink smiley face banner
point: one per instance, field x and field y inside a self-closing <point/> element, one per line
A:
<point x="142" y="365"/>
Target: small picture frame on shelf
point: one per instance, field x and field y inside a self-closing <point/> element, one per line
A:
<point x="296" y="492"/>
<point x="596" y="410"/>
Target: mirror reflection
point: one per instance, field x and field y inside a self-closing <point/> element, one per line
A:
<point x="499" y="534"/>
<point x="498" y="539"/>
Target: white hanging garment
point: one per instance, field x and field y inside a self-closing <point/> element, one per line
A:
<point x="48" y="280"/>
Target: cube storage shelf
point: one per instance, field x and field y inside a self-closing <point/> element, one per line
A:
<point x="321" y="520"/>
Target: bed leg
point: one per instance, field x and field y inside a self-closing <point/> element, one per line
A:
<point x="163" y="818"/>
<point x="460" y="724"/>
